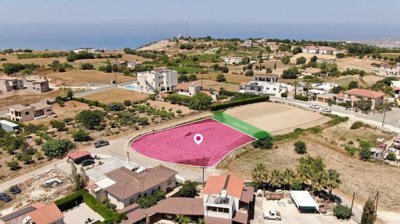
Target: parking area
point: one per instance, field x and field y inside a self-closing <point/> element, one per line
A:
<point x="290" y="214"/>
<point x="81" y="214"/>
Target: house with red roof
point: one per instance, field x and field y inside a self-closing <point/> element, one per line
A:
<point x="37" y="213"/>
<point x="355" y="95"/>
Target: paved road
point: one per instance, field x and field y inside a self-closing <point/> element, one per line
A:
<point x="392" y="119"/>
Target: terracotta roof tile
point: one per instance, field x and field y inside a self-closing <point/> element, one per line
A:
<point x="233" y="185"/>
<point x="364" y="93"/>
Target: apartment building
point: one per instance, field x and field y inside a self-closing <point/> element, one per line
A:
<point x="157" y="80"/>
<point x="8" y="84"/>
<point x="37" y="85"/>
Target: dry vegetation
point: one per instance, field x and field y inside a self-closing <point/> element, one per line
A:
<point x="364" y="178"/>
<point x="117" y="95"/>
<point x="82" y="77"/>
<point x="26" y="97"/>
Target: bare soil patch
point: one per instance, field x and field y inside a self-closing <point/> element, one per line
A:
<point x="82" y="77"/>
<point x="277" y="118"/>
<point x="117" y="95"/>
<point x="26" y="97"/>
<point x="169" y="106"/>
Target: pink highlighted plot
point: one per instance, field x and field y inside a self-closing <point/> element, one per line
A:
<point x="176" y="145"/>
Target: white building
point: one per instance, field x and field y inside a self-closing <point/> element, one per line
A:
<point x="311" y="50"/>
<point x="233" y="60"/>
<point x="133" y="64"/>
<point x="263" y="88"/>
<point x="326" y="50"/>
<point x="187" y="89"/>
<point x="247" y="43"/>
<point x="388" y="70"/>
<point x="157" y="80"/>
<point x="325" y="86"/>
<point x="226" y="197"/>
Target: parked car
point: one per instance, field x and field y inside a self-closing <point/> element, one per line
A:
<point x="326" y="110"/>
<point x="4" y="197"/>
<point x="52" y="182"/>
<point x="314" y="106"/>
<point x="272" y="215"/>
<point x="87" y="162"/>
<point x="101" y="143"/>
<point x="15" y="189"/>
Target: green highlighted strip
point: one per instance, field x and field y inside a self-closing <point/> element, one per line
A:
<point x="241" y="125"/>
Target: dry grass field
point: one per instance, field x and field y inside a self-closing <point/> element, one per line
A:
<point x="40" y="61"/>
<point x="26" y="97"/>
<point x="117" y="95"/>
<point x="277" y="118"/>
<point x="230" y="78"/>
<point x="169" y="106"/>
<point x="364" y="178"/>
<point x="82" y="77"/>
<point x="321" y="57"/>
<point x="356" y="63"/>
<point x="207" y="84"/>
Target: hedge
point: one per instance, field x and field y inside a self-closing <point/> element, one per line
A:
<point x="301" y="97"/>
<point x="240" y="102"/>
<point x="81" y="196"/>
<point x="179" y="99"/>
<point x="90" y="102"/>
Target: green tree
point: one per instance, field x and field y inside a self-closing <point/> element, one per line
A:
<point x="13" y="165"/>
<point x="300" y="147"/>
<point x="183" y="78"/>
<point x="70" y="94"/>
<point x="182" y="219"/>
<point x="342" y="212"/>
<point x="365" y="150"/>
<point x="364" y="104"/>
<point x="57" y="147"/>
<point x="301" y="60"/>
<point x="59" y="125"/>
<point x="200" y="101"/>
<point x="288" y="178"/>
<point x="260" y="174"/>
<point x="90" y="119"/>
<point x="314" y="59"/>
<point x="340" y="55"/>
<point x="285" y="60"/>
<point x="115" y="106"/>
<point x="369" y="213"/>
<point x="353" y="85"/>
<point x="221" y="77"/>
<point x="391" y="156"/>
<point x="249" y="72"/>
<point x="333" y="180"/>
<point x="81" y="135"/>
<point x="78" y="179"/>
<point x="188" y="189"/>
<point x="290" y="73"/>
<point x="275" y="179"/>
<point x="297" y="50"/>
<point x="192" y="77"/>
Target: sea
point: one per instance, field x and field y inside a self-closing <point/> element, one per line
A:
<point x="133" y="35"/>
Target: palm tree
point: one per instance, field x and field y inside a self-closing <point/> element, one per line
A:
<point x="295" y="84"/>
<point x="307" y="87"/>
<point x="275" y="179"/>
<point x="288" y="176"/>
<point x="333" y="180"/>
<point x="181" y="219"/>
<point x="260" y="174"/>
<point x="319" y="181"/>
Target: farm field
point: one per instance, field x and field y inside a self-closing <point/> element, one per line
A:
<point x="207" y="84"/>
<point x="82" y="77"/>
<point x="117" y="95"/>
<point x="219" y="140"/>
<point x="231" y="78"/>
<point x="276" y="118"/>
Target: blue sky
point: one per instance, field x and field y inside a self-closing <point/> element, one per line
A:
<point x="119" y="23"/>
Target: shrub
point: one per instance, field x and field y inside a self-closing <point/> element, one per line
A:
<point x="59" y="125"/>
<point x="13" y="165"/>
<point x="300" y="147"/>
<point x="80" y="135"/>
<point x="200" y="101"/>
<point x="358" y="124"/>
<point x="265" y="143"/>
<point x="220" y="78"/>
<point x="115" y="107"/>
<point x="391" y="156"/>
<point x="240" y="102"/>
<point x="127" y="103"/>
<point x="87" y="66"/>
<point x="342" y="212"/>
<point x="301" y="97"/>
<point x="188" y="189"/>
<point x="175" y="98"/>
<point x="90" y="119"/>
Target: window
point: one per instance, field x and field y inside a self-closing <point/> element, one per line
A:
<point x="27" y="113"/>
<point x="48" y="110"/>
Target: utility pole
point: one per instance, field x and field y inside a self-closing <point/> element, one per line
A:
<point x="376" y="204"/>
<point x="352" y="203"/>
<point x="384" y="116"/>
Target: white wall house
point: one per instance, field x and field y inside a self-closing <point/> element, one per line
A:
<point x="325" y="86"/>
<point x="232" y="60"/>
<point x="259" y="87"/>
<point x="326" y="50"/>
<point x="388" y="70"/>
<point x="311" y="50"/>
<point x="187" y="89"/>
<point x="157" y="80"/>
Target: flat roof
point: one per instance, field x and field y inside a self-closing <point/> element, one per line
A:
<point x="9" y="123"/>
<point x="303" y="199"/>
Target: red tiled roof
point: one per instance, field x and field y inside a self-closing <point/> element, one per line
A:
<point x="240" y="217"/>
<point x="248" y="194"/>
<point x="233" y="185"/>
<point x="78" y="155"/>
<point x="364" y="93"/>
<point x="47" y="214"/>
<point x="213" y="220"/>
